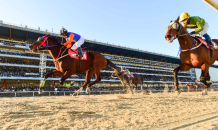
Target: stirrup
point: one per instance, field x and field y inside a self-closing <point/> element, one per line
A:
<point x="212" y="47"/>
<point x="79" y="55"/>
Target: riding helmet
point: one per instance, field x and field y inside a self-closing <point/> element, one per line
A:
<point x="184" y="16"/>
<point x="63" y="31"/>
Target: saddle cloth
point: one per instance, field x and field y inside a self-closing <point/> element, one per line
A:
<point x="205" y="43"/>
<point x="73" y="54"/>
<point x="129" y="75"/>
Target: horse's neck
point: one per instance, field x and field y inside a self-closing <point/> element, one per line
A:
<point x="120" y="76"/>
<point x="54" y="51"/>
<point x="186" y="42"/>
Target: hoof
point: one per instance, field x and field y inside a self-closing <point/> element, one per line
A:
<point x="202" y="78"/>
<point x="72" y="82"/>
<point x="209" y="82"/>
<point x="177" y="92"/>
<point x="74" y="94"/>
<point x="204" y="92"/>
<point x="87" y="90"/>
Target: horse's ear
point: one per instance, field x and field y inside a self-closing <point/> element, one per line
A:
<point x="177" y="20"/>
<point x="171" y="21"/>
<point x="47" y="35"/>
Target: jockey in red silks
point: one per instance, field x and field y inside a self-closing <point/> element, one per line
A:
<point x="75" y="38"/>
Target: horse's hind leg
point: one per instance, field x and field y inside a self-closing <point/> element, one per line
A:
<point x="135" y="84"/>
<point x="99" y="63"/>
<point x="97" y="79"/>
<point x="89" y="74"/>
<point x="203" y="78"/>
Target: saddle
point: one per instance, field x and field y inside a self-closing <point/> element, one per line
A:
<point x="73" y="54"/>
<point x="200" y="40"/>
<point x="129" y="75"/>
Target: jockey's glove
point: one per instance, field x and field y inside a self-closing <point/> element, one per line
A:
<point x="193" y="32"/>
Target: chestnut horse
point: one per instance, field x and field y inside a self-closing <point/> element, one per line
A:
<point x="67" y="66"/>
<point x="193" y="55"/>
<point x="190" y="86"/>
<point x="126" y="81"/>
<point x="199" y="86"/>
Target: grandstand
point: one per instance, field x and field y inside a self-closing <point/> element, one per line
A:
<point x="20" y="68"/>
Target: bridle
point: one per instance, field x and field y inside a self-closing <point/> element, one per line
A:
<point x="178" y="30"/>
<point x="43" y="43"/>
<point x="179" y="34"/>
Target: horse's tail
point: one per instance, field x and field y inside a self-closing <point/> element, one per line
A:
<point x="112" y="65"/>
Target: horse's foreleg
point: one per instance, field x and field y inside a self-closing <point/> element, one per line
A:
<point x="182" y="67"/>
<point x="53" y="73"/>
<point x="67" y="75"/>
<point x="176" y="84"/>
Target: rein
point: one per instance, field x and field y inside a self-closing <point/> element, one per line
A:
<point x="179" y="34"/>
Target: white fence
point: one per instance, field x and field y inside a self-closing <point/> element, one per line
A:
<point x="67" y="93"/>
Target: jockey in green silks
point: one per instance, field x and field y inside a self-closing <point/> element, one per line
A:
<point x="198" y="24"/>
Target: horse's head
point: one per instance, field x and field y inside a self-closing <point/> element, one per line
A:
<point x="44" y="42"/>
<point x="173" y="30"/>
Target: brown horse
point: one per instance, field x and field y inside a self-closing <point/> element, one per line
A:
<point x="126" y="81"/>
<point x="193" y="54"/>
<point x="190" y="86"/>
<point x="199" y="86"/>
<point x="67" y="66"/>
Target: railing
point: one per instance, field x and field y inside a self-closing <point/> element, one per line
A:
<point x="69" y="93"/>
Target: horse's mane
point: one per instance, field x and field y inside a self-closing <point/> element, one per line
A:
<point x="56" y="40"/>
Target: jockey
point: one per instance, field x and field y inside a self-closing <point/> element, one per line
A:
<point x="72" y="37"/>
<point x="198" y="24"/>
<point x="125" y="70"/>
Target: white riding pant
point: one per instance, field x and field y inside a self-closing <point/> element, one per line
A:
<point x="206" y="27"/>
<point x="78" y="43"/>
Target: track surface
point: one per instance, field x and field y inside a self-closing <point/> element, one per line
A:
<point x="154" y="111"/>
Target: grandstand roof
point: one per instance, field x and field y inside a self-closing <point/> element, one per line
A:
<point x="8" y="31"/>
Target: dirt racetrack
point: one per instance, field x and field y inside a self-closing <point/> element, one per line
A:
<point x="154" y="111"/>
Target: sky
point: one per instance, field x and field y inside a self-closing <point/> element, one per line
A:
<point x="136" y="24"/>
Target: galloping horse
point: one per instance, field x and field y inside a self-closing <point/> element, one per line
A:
<point x="193" y="53"/>
<point x="190" y="86"/>
<point x="67" y="66"/>
<point x="126" y="81"/>
<point x="199" y="86"/>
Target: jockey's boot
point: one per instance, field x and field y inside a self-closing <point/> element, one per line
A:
<point x="209" y="41"/>
<point x="80" y="54"/>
